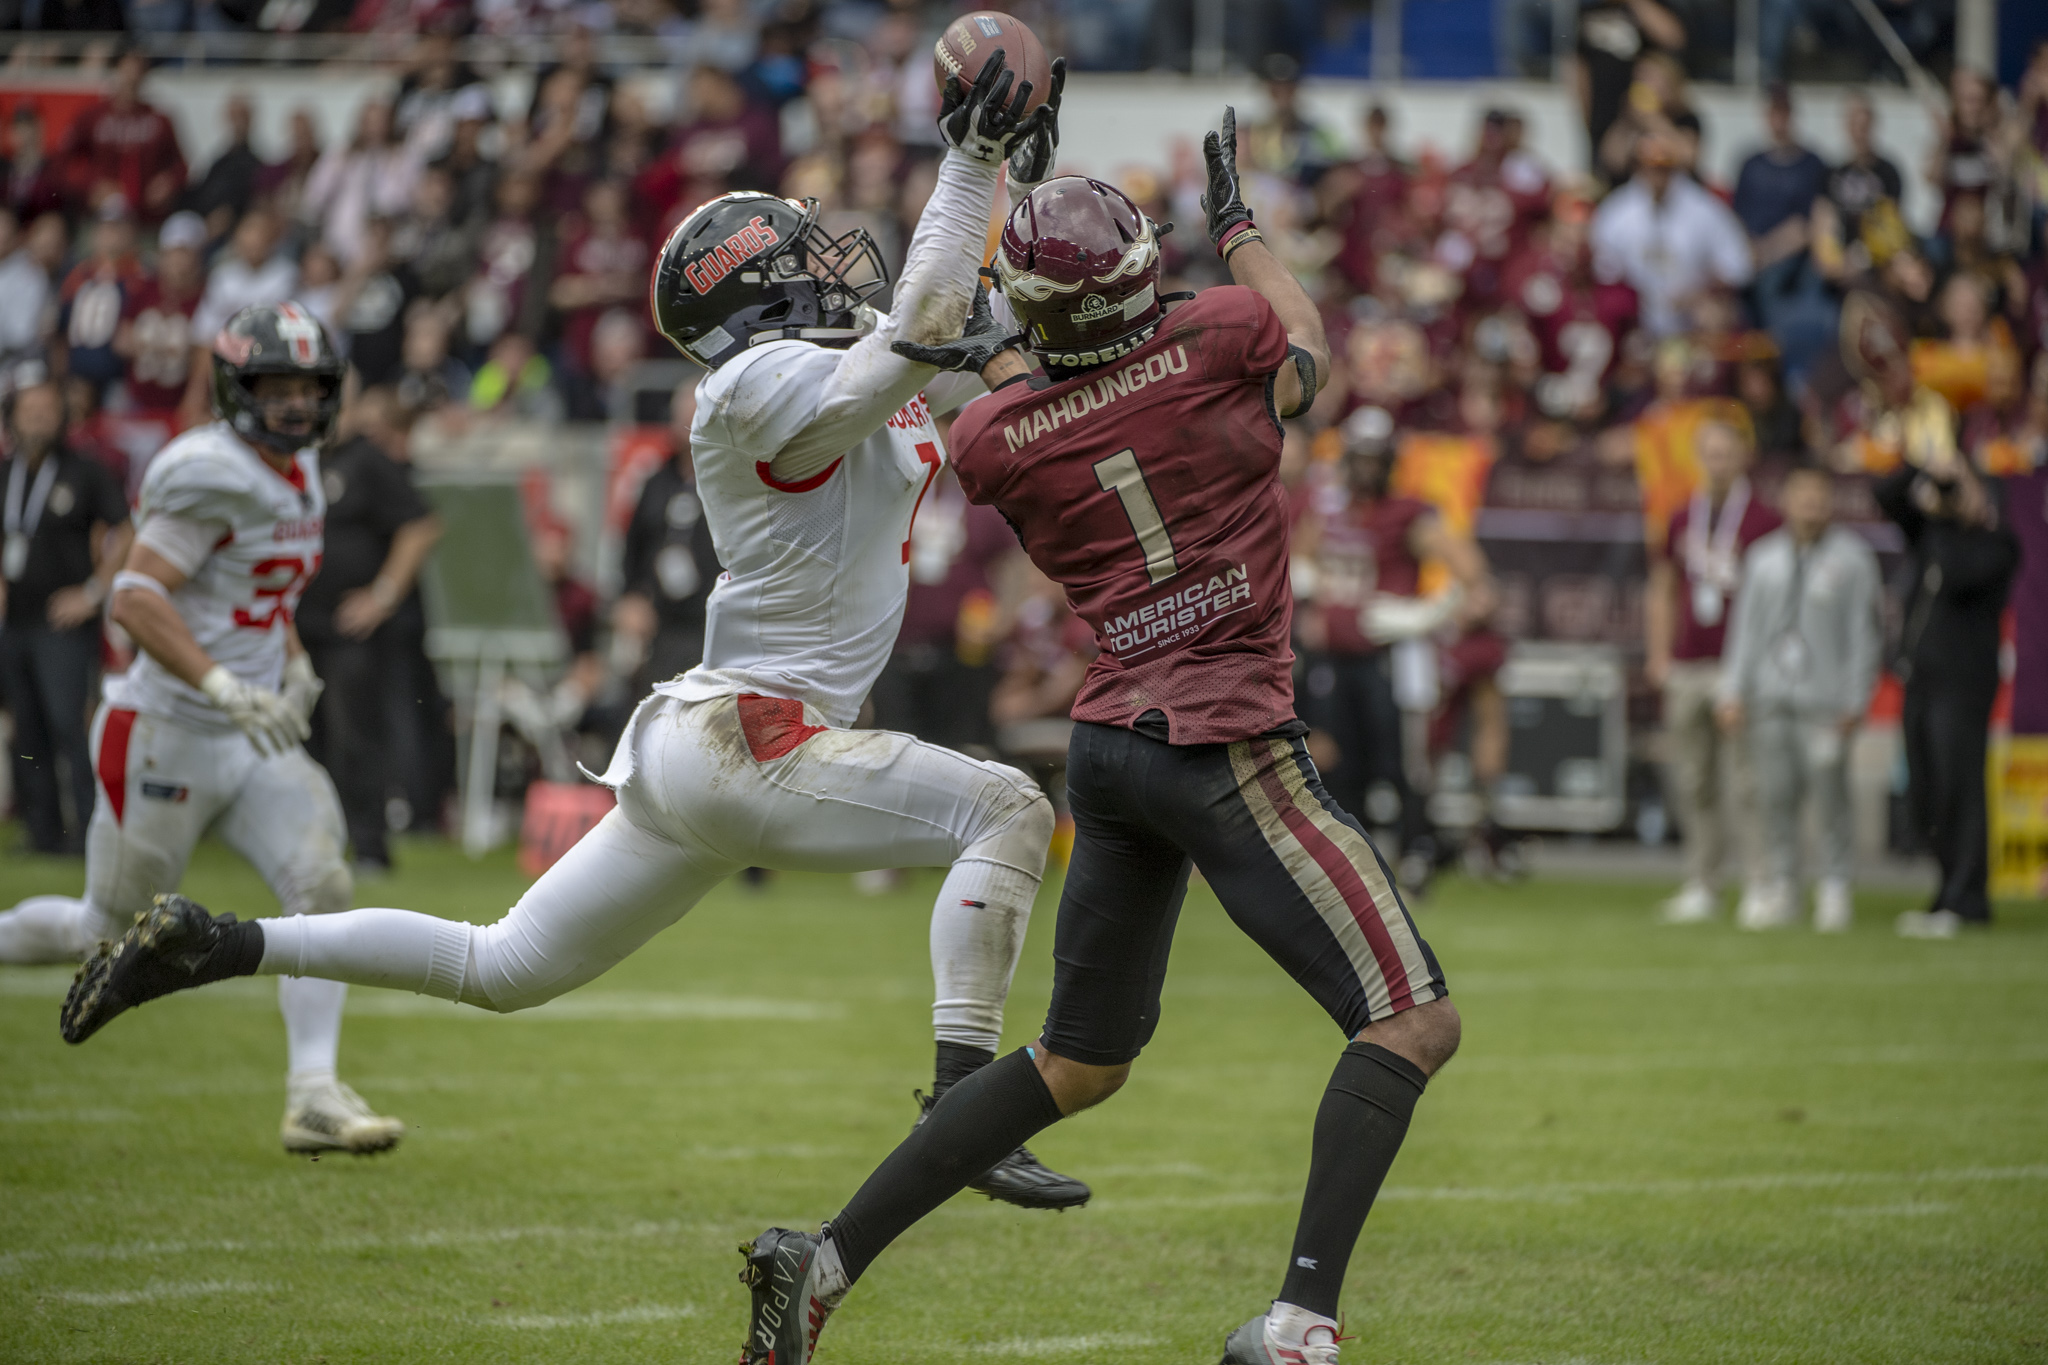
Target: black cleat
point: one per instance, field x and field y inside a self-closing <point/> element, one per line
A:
<point x="782" y="1273"/>
<point x="1019" y="1178"/>
<point x="172" y="946"/>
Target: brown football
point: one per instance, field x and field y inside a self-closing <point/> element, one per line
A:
<point x="968" y="41"/>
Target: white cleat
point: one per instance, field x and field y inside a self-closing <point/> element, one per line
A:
<point x="1283" y="1335"/>
<point x="1928" y="924"/>
<point x="1767" y="905"/>
<point x="1694" y="904"/>
<point x="1834" y="910"/>
<point x="327" y="1116"/>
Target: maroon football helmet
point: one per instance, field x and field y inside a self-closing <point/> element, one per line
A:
<point x="1079" y="264"/>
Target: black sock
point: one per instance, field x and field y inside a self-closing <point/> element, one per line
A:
<point x="956" y="1063"/>
<point x="984" y="1118"/>
<point x="1364" y="1116"/>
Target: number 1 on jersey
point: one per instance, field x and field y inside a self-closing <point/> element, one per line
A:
<point x="1120" y="474"/>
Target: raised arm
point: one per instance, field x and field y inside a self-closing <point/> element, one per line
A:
<point x="939" y="275"/>
<point x="1252" y="265"/>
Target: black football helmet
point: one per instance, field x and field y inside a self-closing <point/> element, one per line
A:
<point x="750" y="267"/>
<point x="274" y="338"/>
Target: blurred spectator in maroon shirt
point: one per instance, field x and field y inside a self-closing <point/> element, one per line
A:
<point x="602" y="265"/>
<point x="1490" y="205"/>
<point x="96" y="293"/>
<point x="155" y="335"/>
<point x="1359" y="198"/>
<point x="34" y="183"/>
<point x="125" y="146"/>
<point x="725" y="142"/>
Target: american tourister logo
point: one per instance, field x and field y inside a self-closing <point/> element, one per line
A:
<point x="715" y="264"/>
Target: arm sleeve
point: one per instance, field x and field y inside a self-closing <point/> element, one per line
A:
<point x="1254" y="343"/>
<point x="871" y="381"/>
<point x="184" y="541"/>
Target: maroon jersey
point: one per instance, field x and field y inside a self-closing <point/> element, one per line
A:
<point x="1149" y="489"/>
<point x="1364" y="549"/>
<point x="161" y="335"/>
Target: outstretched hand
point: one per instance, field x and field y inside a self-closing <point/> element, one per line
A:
<point x="983" y="120"/>
<point x="1223" y="200"/>
<point x="1032" y="156"/>
<point x="980" y="342"/>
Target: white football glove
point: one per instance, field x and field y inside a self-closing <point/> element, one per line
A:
<point x="269" y="721"/>
<point x="302" y="687"/>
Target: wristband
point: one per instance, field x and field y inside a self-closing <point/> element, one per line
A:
<point x="129" y="578"/>
<point x="94" y="590"/>
<point x="1247" y="231"/>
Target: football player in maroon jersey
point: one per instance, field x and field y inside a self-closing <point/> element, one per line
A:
<point x="1141" y="473"/>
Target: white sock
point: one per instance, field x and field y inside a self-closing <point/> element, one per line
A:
<point x="312" y="1021"/>
<point x="44" y="930"/>
<point x="832" y="1284"/>
<point x="1289" y="1325"/>
<point x="978" y="928"/>
<point x="397" y="949"/>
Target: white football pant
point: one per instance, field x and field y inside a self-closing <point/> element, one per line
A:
<point x="163" y="786"/>
<point x="703" y="793"/>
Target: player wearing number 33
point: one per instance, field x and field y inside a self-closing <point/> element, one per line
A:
<point x="202" y="733"/>
<point x="813" y="444"/>
<point x="1141" y="472"/>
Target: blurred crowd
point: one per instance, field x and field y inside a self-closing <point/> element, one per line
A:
<point x="1506" y="331"/>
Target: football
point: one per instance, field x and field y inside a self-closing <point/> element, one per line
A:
<point x="967" y="42"/>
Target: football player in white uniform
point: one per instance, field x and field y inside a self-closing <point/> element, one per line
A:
<point x="813" y="445"/>
<point x="203" y="731"/>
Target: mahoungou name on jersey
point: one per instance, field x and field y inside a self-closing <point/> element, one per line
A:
<point x="1180" y="615"/>
<point x="1092" y="398"/>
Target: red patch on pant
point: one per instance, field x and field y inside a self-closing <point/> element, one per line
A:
<point x="114" y="760"/>
<point x="773" y="725"/>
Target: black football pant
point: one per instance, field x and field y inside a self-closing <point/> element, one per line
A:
<point x="46" y="683"/>
<point x="1293" y="869"/>
<point x="1946" y="730"/>
<point x="352" y="734"/>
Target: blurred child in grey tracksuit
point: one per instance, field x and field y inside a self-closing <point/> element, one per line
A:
<point x="1802" y="658"/>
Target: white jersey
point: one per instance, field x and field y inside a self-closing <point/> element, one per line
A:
<point x="239" y="602"/>
<point x="816" y="571"/>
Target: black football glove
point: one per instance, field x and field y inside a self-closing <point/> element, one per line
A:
<point x="983" y="120"/>
<point x="982" y="341"/>
<point x="1223" y="201"/>
<point x="1031" y="157"/>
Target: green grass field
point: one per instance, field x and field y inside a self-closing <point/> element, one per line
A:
<point x="1657" y="1145"/>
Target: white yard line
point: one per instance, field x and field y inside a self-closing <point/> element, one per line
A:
<point x="12" y="1262"/>
<point x="1566" y="1192"/>
<point x="1030" y="1347"/>
<point x="150" y="1293"/>
<point x="547" y="1322"/>
<point x="68" y="1116"/>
